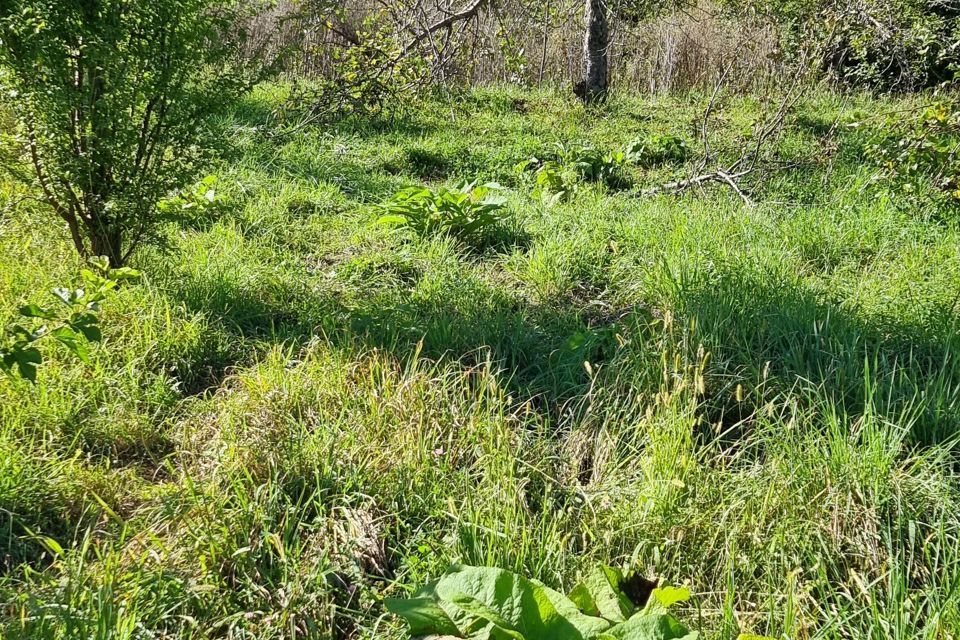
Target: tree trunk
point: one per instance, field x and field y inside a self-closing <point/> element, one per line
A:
<point x="596" y="42"/>
<point x="108" y="241"/>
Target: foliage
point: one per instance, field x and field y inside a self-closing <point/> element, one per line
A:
<point x="555" y="182"/>
<point x="194" y="203"/>
<point x="920" y="154"/>
<point x="469" y="212"/>
<point x="371" y="77"/>
<point x="371" y="71"/>
<point x="559" y="176"/>
<point x="73" y="322"/>
<point x="657" y="149"/>
<point x="901" y="45"/>
<point x="481" y="603"/>
<point x="108" y="99"/>
<point x="302" y="413"/>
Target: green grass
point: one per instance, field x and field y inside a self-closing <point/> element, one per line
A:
<point x="298" y="411"/>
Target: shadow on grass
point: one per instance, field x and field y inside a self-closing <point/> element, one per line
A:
<point x="762" y="330"/>
<point x="541" y="349"/>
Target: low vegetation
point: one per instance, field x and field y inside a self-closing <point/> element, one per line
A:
<point x="298" y="415"/>
<point x="480" y="602"/>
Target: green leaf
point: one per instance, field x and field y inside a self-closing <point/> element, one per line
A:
<point x="601" y="589"/>
<point x="26" y="361"/>
<point x="583" y="599"/>
<point x="392" y="219"/>
<point x="72" y="341"/>
<point x="52" y="545"/>
<point x="34" y="311"/>
<point x="91" y="332"/>
<point x="669" y="596"/>
<point x="483" y="612"/>
<point x="101" y="263"/>
<point x="651" y="626"/>
<point x="124" y="273"/>
<point x="423" y="615"/>
<point x="513" y="603"/>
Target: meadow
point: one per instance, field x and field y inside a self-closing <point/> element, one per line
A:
<point x="299" y="410"/>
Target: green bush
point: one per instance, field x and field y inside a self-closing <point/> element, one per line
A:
<point x="918" y="156"/>
<point x="900" y="45"/>
<point x="559" y="176"/>
<point x="657" y="149"/>
<point x="74" y="322"/>
<point x="111" y="101"/>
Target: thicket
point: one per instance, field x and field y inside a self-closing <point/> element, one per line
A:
<point x="898" y="45"/>
<point x="364" y="52"/>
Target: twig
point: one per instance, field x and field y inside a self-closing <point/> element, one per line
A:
<point x="746" y="164"/>
<point x="706" y="119"/>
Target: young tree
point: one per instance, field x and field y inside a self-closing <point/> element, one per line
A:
<point x="111" y="99"/>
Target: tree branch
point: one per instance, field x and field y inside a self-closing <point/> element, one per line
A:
<point x="467" y="13"/>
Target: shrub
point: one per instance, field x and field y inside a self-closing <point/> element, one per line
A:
<point x="195" y="204"/>
<point x="469" y="212"/>
<point x="559" y="176"/>
<point x="920" y="156"/>
<point x="657" y="149"/>
<point x="900" y="45"/>
<point x="111" y="100"/>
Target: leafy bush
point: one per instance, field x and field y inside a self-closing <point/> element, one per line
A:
<point x="371" y="73"/>
<point x="194" y="204"/>
<point x="921" y="156"/>
<point x="111" y="101"/>
<point x="469" y="212"/>
<point x="898" y="45"/>
<point x="74" y="322"/>
<point x="481" y="603"/>
<point x="594" y="165"/>
<point x="555" y="182"/>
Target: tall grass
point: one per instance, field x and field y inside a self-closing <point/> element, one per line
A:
<point x="298" y="411"/>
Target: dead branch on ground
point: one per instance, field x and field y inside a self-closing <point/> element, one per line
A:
<point x="732" y="174"/>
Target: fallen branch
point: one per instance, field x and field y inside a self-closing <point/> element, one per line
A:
<point x="731" y="175"/>
<point x="719" y="176"/>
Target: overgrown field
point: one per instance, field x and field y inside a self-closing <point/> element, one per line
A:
<point x="300" y="409"/>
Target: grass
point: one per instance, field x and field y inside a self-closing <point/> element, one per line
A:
<point x="299" y="411"/>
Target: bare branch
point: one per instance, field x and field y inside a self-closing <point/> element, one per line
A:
<point x="469" y="12"/>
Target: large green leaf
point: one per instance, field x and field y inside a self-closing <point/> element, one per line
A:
<point x="423" y="615"/>
<point x="600" y="595"/>
<point x="665" y="597"/>
<point x="34" y="311"/>
<point x="483" y="603"/>
<point x="480" y="596"/>
<point x="25" y="360"/>
<point x="72" y="341"/>
<point x="650" y="626"/>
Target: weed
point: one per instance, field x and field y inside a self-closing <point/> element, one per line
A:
<point x="468" y="212"/>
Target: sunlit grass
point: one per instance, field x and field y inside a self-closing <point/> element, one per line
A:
<point x="299" y="411"/>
